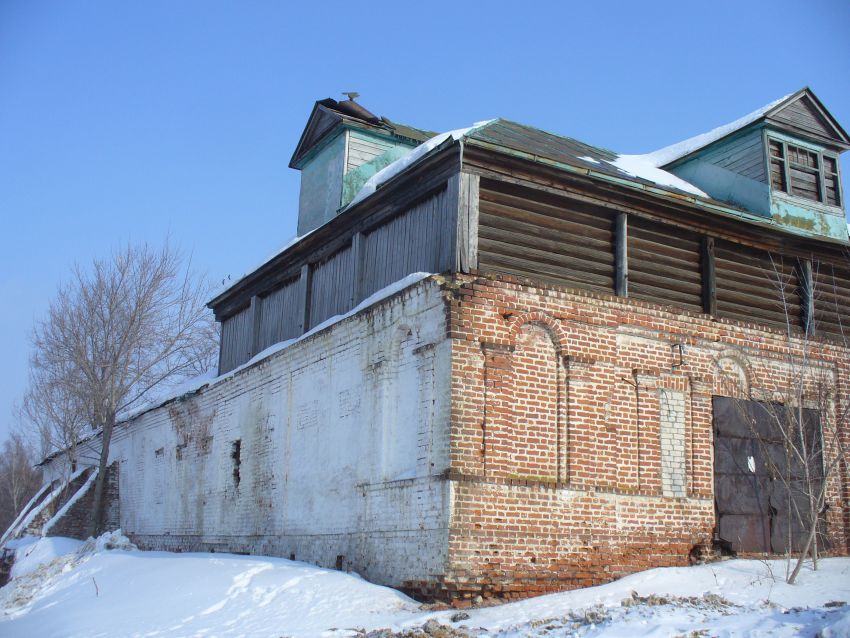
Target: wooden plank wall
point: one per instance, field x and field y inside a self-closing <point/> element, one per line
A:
<point x="419" y="239"/>
<point x="832" y="301"/>
<point x="757" y="287"/>
<point x="331" y="286"/>
<point x="804" y="115"/>
<point x="664" y="264"/>
<point x="279" y="315"/>
<point x="363" y="149"/>
<point x="539" y="235"/>
<point x="742" y="155"/>
<point x="236" y="339"/>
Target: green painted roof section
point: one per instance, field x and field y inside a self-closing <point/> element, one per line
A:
<point x="410" y="132"/>
<point x="571" y="155"/>
<point x="538" y="145"/>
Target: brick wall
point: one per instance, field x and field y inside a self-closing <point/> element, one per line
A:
<point x="581" y="444"/>
<point x="76" y="522"/>
<point x="333" y="451"/>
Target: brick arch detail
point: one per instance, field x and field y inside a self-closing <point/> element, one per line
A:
<point x="731" y="374"/>
<point x="547" y="321"/>
<point x="514" y="448"/>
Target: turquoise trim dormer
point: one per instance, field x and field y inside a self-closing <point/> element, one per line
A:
<point x="734" y="164"/>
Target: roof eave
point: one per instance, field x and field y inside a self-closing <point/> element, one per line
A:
<point x="708" y="204"/>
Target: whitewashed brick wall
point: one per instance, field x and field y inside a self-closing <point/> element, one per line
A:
<point x="672" y="408"/>
<point x="343" y="438"/>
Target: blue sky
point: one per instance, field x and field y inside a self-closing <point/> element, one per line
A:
<point x="129" y="121"/>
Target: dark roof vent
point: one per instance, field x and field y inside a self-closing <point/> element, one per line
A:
<point x="351" y="108"/>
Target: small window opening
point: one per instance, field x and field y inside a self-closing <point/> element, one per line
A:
<point x="804" y="173"/>
<point x="236" y="457"/>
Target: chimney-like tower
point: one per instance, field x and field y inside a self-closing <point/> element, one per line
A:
<point x="342" y="146"/>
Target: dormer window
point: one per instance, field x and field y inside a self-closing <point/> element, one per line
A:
<point x="805" y="173"/>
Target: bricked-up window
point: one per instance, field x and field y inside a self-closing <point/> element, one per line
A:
<point x="804" y="173"/>
<point x="236" y="457"/>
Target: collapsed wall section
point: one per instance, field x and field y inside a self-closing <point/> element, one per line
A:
<point x="582" y="432"/>
<point x="331" y="451"/>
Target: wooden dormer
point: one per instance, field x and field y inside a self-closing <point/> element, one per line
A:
<point x="342" y="146"/>
<point x="780" y="162"/>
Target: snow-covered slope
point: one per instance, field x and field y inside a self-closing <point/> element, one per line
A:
<point x="124" y="592"/>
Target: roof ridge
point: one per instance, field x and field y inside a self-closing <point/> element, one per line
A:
<point x="676" y="151"/>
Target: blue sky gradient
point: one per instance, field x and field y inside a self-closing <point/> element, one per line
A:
<point x="130" y="121"/>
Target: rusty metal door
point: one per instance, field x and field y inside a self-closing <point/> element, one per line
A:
<point x="760" y="490"/>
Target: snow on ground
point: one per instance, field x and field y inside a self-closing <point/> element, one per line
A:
<point x="94" y="591"/>
<point x="32" y="551"/>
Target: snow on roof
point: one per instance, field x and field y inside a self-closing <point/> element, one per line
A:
<point x="648" y="166"/>
<point x="227" y="283"/>
<point x="195" y="384"/>
<point x="668" y="154"/>
<point x="391" y="170"/>
<point x="588" y="158"/>
<point x="643" y="166"/>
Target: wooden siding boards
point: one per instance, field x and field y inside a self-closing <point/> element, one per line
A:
<point x="541" y="236"/>
<point x="236" y="340"/>
<point x="418" y="240"/>
<point x="832" y="301"/>
<point x="331" y="287"/>
<point x="279" y="316"/>
<point x="664" y="265"/>
<point x="802" y="114"/>
<point x="743" y="155"/>
<point x="758" y="287"/>
<point x="364" y="148"/>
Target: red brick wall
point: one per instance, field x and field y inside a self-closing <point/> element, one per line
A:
<point x="556" y="437"/>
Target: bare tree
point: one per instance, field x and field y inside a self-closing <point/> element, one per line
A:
<point x="51" y="411"/>
<point x="115" y="332"/>
<point x="19" y="480"/>
<point x="803" y="426"/>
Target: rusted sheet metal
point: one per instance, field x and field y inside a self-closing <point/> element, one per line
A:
<point x="745" y="532"/>
<point x="761" y="495"/>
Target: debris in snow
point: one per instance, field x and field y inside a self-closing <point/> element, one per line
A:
<point x="712" y="601"/>
<point x="30" y="556"/>
<point x="95" y="592"/>
<point x="431" y="629"/>
<point x="106" y="542"/>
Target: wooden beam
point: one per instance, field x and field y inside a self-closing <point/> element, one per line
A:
<point x="621" y="255"/>
<point x="807" y="296"/>
<point x="466" y="242"/>
<point x="305" y="283"/>
<point x="358" y="252"/>
<point x="255" y="312"/>
<point x="709" y="277"/>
